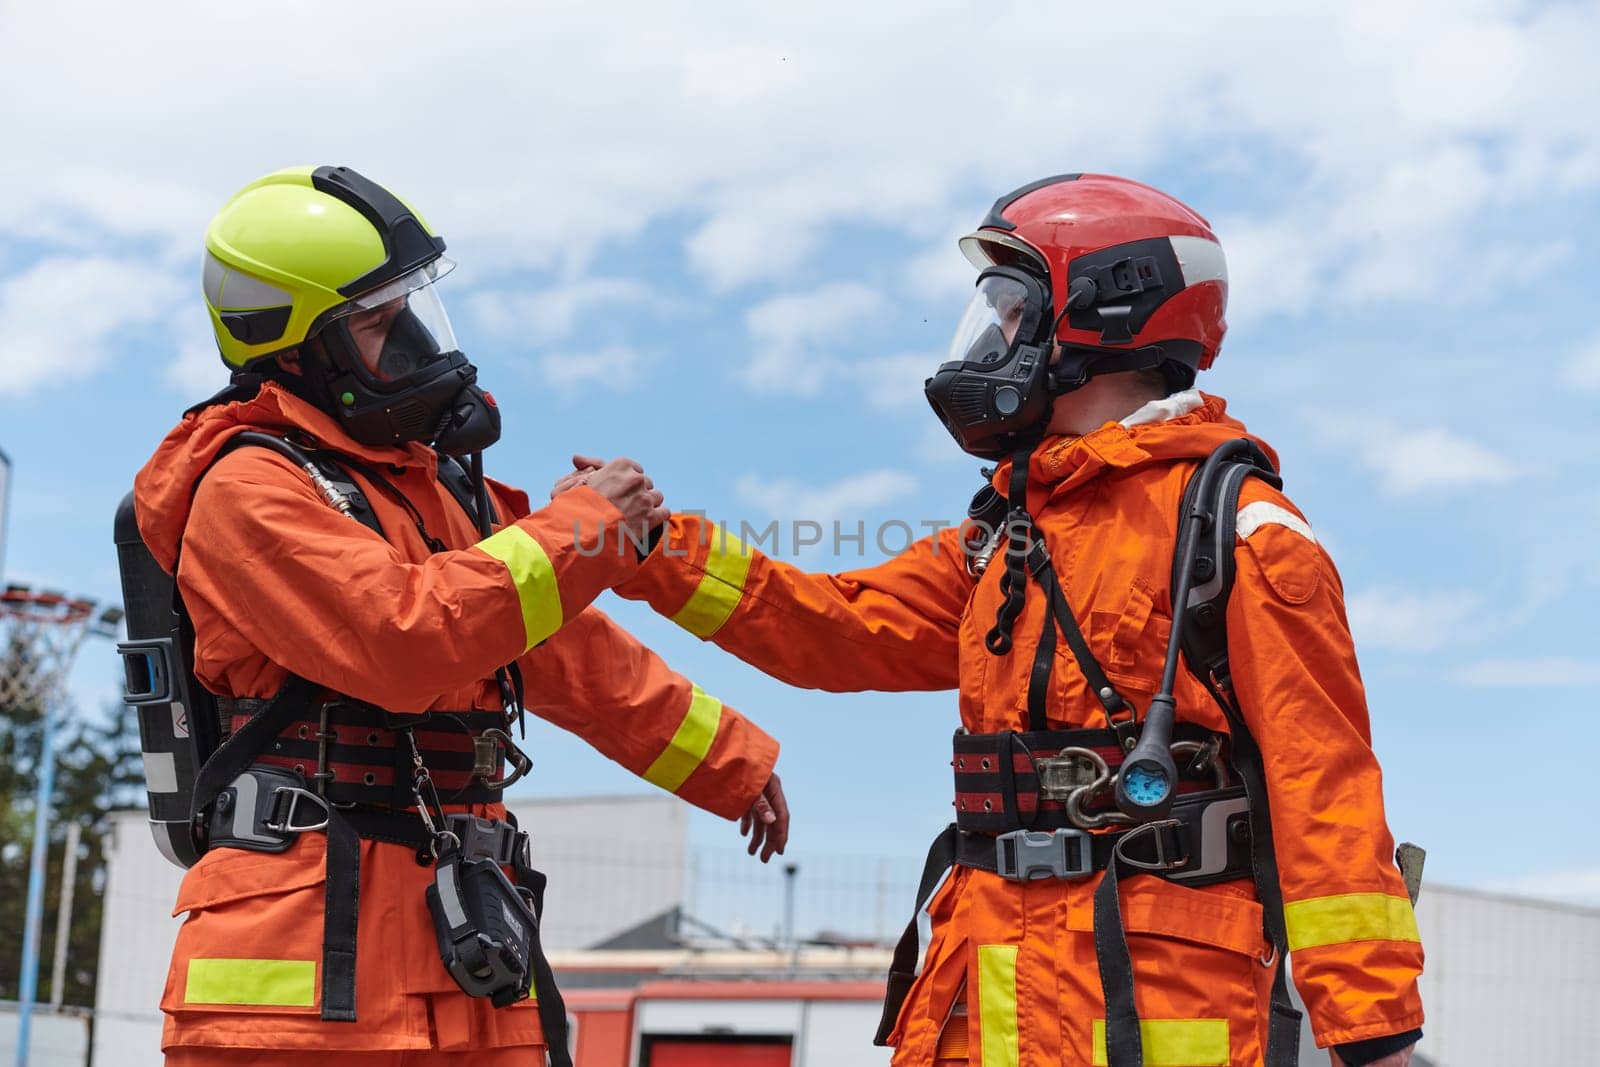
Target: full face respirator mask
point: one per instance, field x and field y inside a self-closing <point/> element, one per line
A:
<point x="394" y="372"/>
<point x="994" y="390"/>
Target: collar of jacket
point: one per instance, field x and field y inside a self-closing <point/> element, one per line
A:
<point x="1061" y="464"/>
<point x="164" y="488"/>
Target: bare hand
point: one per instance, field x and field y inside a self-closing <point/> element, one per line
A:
<point x="625" y="484"/>
<point x="1393" y="1059"/>
<point x="767" y="821"/>
<point x="582" y="467"/>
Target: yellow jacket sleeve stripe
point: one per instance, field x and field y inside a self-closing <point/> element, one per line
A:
<point x="1338" y="920"/>
<point x="689" y="744"/>
<point x="534" y="577"/>
<point x="721" y="587"/>
<point x="276" y="983"/>
<point x="1174" y="1042"/>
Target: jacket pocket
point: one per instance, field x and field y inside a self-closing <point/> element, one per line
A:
<point x="253" y="940"/>
<point x="1198" y="974"/>
<point x="1132" y="643"/>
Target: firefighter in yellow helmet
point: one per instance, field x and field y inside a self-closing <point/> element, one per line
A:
<point x="369" y="610"/>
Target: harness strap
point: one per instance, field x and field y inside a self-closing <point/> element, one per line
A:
<point x="1014" y="581"/>
<point x="1106" y="693"/>
<point x="341" y="901"/>
<point x="551" y="1006"/>
<point x="1207" y="658"/>
<point x="1124" y="1045"/>
<point x="906" y="963"/>
<point x="1283" y="1030"/>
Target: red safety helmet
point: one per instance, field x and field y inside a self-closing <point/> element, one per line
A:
<point x="1121" y="275"/>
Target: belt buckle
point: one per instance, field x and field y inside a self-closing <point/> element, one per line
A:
<point x="287" y="825"/>
<point x="491" y="839"/>
<point x="1026" y="855"/>
<point x="1153" y="830"/>
<point x="1060" y="775"/>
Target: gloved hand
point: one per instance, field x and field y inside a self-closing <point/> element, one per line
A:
<point x="625" y="484"/>
<point x="767" y="821"/>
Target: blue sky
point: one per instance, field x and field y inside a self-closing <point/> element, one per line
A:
<point x="722" y="242"/>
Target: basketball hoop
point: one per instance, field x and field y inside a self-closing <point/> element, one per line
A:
<point x="40" y="634"/>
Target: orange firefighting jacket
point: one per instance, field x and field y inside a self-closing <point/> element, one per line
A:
<point x="1020" y="957"/>
<point x="276" y="581"/>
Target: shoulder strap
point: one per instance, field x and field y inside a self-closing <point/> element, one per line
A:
<point x="1205" y="635"/>
<point x="324" y="469"/>
<point x="455" y="478"/>
<point x="1205" y="650"/>
<point x="252" y="739"/>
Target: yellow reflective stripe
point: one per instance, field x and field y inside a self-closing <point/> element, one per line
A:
<point x="997" y="1004"/>
<point x="1174" y="1042"/>
<point x="278" y="983"/>
<point x="689" y="745"/>
<point x="721" y="587"/>
<point x="533" y="575"/>
<point x="1349" y="917"/>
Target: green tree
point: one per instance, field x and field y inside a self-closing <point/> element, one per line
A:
<point x="98" y="770"/>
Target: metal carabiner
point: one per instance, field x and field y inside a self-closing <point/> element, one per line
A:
<point x="1202" y="756"/>
<point x="486" y="749"/>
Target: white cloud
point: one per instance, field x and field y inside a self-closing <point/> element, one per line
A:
<point x="1583" y="369"/>
<point x="63" y="318"/>
<point x="1540" y="671"/>
<point x="1410" y="459"/>
<point x="614" y="367"/>
<point x="791" y="334"/>
<point x="553" y="312"/>
<point x="556" y="134"/>
<point x="1410" y="622"/>
<point x="846" y="498"/>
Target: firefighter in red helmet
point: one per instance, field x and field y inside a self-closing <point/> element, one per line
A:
<point x="1164" y="780"/>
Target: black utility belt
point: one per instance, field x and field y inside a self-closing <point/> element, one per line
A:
<point x="358" y="753"/>
<point x="266" y="809"/>
<point x="1063" y="779"/>
<point x="486" y="924"/>
<point x="1206" y="840"/>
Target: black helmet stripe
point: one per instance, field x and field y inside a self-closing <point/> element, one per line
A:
<point x="998" y="221"/>
<point x="407" y="244"/>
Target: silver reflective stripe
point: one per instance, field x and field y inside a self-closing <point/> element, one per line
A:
<point x="1265" y="513"/>
<point x="215" y="270"/>
<point x="240" y="292"/>
<point x="162" y="832"/>
<point x="160" y="772"/>
<point x="1214" y="837"/>
<point x="1200" y="259"/>
<point x="245" y="788"/>
<point x="454" y="913"/>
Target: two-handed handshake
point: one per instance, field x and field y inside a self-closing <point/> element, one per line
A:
<point x="623" y="482"/>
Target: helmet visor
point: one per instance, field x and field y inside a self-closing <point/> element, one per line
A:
<point x="1003" y="310"/>
<point x="398" y="329"/>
